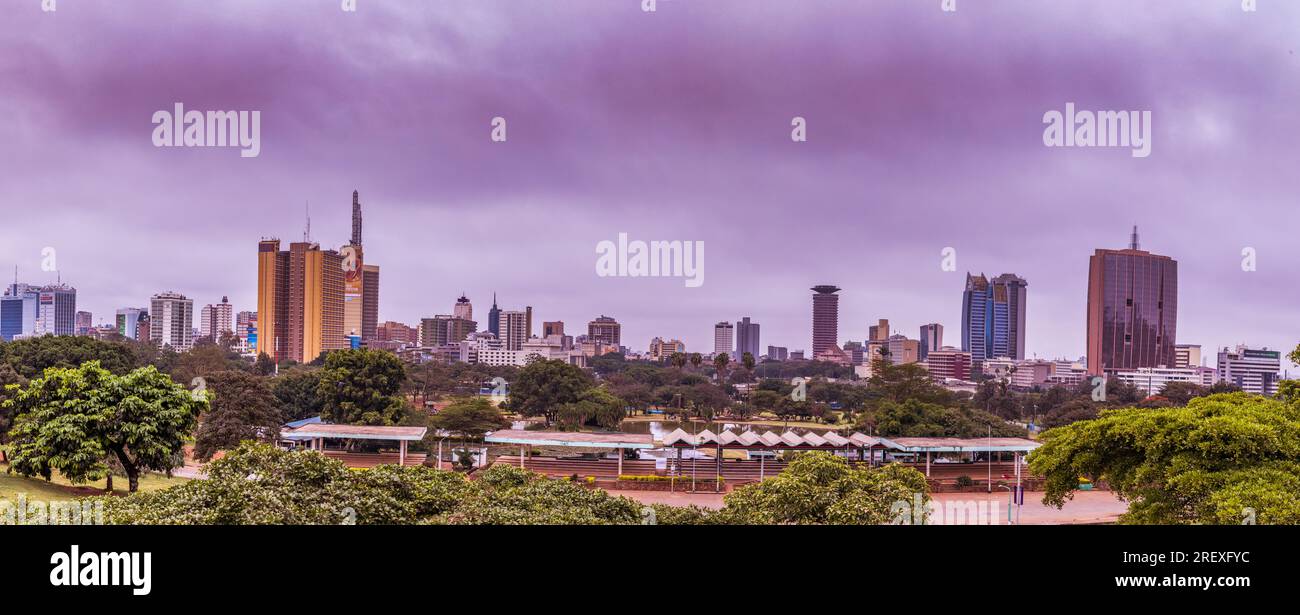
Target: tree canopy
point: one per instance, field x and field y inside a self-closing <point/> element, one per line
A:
<point x="1219" y="459"/>
<point x="362" y="387"/>
<point x="242" y="408"/>
<point x="70" y="419"/>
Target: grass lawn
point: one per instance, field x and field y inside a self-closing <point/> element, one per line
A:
<point x="61" y="489"/>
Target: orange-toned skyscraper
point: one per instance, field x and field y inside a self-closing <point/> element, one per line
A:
<point x="1132" y="309"/>
<point x="299" y="301"/>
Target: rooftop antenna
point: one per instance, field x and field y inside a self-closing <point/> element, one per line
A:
<point x="1133" y="239"/>
<point x="306" y="233"/>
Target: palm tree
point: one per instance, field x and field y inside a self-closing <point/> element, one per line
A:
<point x="748" y="360"/>
<point x="720" y="362"/>
<point x="678" y="360"/>
<point x="696" y="360"/>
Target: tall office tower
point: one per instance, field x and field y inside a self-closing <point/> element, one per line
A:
<point x="1187" y="355"/>
<point x="128" y="320"/>
<point x="605" y="330"/>
<point x="369" y="301"/>
<point x="878" y="332"/>
<point x="553" y="327"/>
<point x="18" y="310"/>
<point x="931" y="338"/>
<point x="83" y="323"/>
<point x="494" y="317"/>
<point x="1254" y="370"/>
<point x="826" y="317"/>
<point x="993" y="317"/>
<point x="171" y="321"/>
<point x="245" y="325"/>
<point x="216" y="319"/>
<point x="464" y="309"/>
<point x="56" y="310"/>
<point x="1017" y="294"/>
<point x="299" y="301"/>
<point x="723" y="337"/>
<point x="746" y="338"/>
<point x="1132" y="309"/>
<point x="528" y="322"/>
<point x="514" y="329"/>
<point x="778" y="353"/>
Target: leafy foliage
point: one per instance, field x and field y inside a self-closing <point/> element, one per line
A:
<point x="70" y="419"/>
<point x="1204" y="463"/>
<point x="543" y="387"/>
<point x="820" y="488"/>
<point x="362" y="387"/>
<point x="243" y="408"/>
<point x="32" y="356"/>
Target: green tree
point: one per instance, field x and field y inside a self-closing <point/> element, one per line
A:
<point x="594" y="405"/>
<point x="242" y="408"/>
<point x="747" y="360"/>
<point x="362" y="387"/>
<point x="70" y="419"/>
<point x="296" y="393"/>
<point x="7" y="377"/>
<point x="264" y="365"/>
<point x="720" y="363"/>
<point x="696" y="360"/>
<point x="820" y="488"/>
<point x="32" y="356"/>
<point x="543" y="386"/>
<point x="469" y="417"/>
<point x="1207" y="462"/>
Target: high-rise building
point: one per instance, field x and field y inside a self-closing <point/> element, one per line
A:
<point x="216" y="319"/>
<point x="514" y="329"/>
<point x="1132" y="309"/>
<point x="494" y="317"/>
<point x="246" y="327"/>
<point x="778" y="353"/>
<point x="993" y="315"/>
<point x="299" y="301"/>
<point x="171" y="321"/>
<point x="18" y="309"/>
<point x="360" y="283"/>
<point x="826" y="318"/>
<point x="553" y="327"/>
<point x="931" y="338"/>
<point x="605" y="330"/>
<point x="369" y="301"/>
<point x="746" y="338"/>
<point x="1016" y="290"/>
<point x="948" y="362"/>
<point x="443" y="330"/>
<point x="56" y="310"/>
<point x="1255" y="370"/>
<point x="903" y="350"/>
<point x="723" y="337"/>
<point x="1187" y="355"/>
<point x="390" y="331"/>
<point x="661" y="349"/>
<point x="83" y="323"/>
<point x="128" y="320"/>
<point x="878" y="332"/>
<point x="528" y="322"/>
<point x="463" y="309"/>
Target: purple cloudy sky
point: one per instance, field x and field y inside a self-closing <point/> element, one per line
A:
<point x="924" y="132"/>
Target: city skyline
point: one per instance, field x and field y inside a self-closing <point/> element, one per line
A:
<point x="587" y="159"/>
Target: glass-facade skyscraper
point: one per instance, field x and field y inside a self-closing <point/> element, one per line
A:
<point x="1132" y="309"/>
<point x="993" y="317"/>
